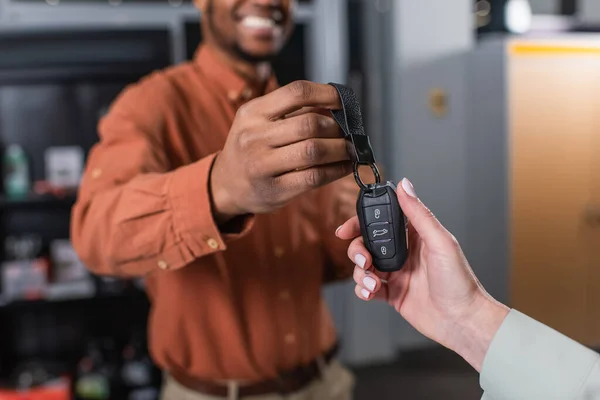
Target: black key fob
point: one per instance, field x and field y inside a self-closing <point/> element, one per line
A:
<point x="382" y="222"/>
<point x="383" y="226"/>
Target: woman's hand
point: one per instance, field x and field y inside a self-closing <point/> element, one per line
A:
<point x="436" y="290"/>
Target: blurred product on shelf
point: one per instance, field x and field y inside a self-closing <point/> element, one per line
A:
<point x="63" y="171"/>
<point x="137" y="370"/>
<point x="24" y="274"/>
<point x="45" y="188"/>
<point x="24" y="280"/>
<point x="69" y="277"/>
<point x="64" y="166"/>
<point x="96" y="373"/>
<point x="66" y="265"/>
<point x="30" y="274"/>
<point x="26" y="247"/>
<point x="34" y="381"/>
<point x="105" y="373"/>
<point x="16" y="172"/>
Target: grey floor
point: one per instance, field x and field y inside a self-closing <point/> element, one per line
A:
<point x="432" y="374"/>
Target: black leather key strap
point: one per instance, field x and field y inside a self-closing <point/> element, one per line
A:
<point x="350" y="120"/>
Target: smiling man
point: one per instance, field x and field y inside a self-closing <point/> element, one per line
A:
<point x="224" y="192"/>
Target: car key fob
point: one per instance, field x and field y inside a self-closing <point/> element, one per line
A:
<point x="382" y="222"/>
<point x="383" y="226"/>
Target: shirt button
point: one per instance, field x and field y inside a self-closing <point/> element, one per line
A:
<point x="279" y="251"/>
<point x="212" y="243"/>
<point x="163" y="265"/>
<point x="96" y="172"/>
<point x="247" y="93"/>
<point x="284" y="295"/>
<point x="290" y="338"/>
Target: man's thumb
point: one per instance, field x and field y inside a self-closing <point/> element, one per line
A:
<point x="425" y="223"/>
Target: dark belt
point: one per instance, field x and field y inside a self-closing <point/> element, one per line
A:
<point x="286" y="383"/>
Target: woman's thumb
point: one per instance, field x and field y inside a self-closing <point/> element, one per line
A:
<point x="425" y="223"/>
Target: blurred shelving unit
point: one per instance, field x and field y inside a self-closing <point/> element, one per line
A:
<point x="56" y="82"/>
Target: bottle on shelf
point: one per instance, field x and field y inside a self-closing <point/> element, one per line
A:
<point x="95" y="376"/>
<point x="16" y="172"/>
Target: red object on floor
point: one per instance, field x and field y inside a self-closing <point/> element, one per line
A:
<point x="59" y="391"/>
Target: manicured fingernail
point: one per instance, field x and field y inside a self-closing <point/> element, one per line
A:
<point x="369" y="283"/>
<point x="337" y="230"/>
<point x="360" y="260"/>
<point x="365" y="293"/>
<point x="409" y="188"/>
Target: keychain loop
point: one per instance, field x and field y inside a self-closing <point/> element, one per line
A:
<point x="359" y="180"/>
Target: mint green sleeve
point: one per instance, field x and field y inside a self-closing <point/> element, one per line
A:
<point x="528" y="361"/>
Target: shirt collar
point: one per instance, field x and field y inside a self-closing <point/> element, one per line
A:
<point x="238" y="89"/>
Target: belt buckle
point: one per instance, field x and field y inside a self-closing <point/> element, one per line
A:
<point x="233" y="390"/>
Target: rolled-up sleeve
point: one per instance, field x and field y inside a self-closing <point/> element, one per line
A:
<point x="528" y="360"/>
<point x="134" y="213"/>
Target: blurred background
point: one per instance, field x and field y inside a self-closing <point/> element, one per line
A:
<point x="490" y="107"/>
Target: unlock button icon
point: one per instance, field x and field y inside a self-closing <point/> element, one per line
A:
<point x="377" y="214"/>
<point x="383" y="249"/>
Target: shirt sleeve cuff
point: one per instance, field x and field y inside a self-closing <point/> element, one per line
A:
<point x="192" y="210"/>
<point x="528" y="360"/>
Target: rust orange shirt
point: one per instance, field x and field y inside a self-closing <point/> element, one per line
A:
<point x="223" y="306"/>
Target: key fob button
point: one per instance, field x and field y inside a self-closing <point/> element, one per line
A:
<point x="376" y="200"/>
<point x="377" y="214"/>
<point x="382" y="231"/>
<point x="383" y="249"/>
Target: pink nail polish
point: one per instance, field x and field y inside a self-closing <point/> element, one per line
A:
<point x="370" y="283"/>
<point x="360" y="260"/>
<point x="409" y="188"/>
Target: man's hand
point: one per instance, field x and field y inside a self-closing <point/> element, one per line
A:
<point x="436" y="291"/>
<point x="278" y="148"/>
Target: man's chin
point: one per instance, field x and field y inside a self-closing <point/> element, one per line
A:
<point x="255" y="56"/>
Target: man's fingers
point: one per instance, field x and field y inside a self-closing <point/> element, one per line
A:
<point x="295" y="96"/>
<point x="302" y="127"/>
<point x="308" y="153"/>
<point x="305" y="110"/>
<point x="300" y="181"/>
<point x="422" y="219"/>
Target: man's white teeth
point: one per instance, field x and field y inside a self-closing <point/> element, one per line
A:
<point x="258" y="22"/>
